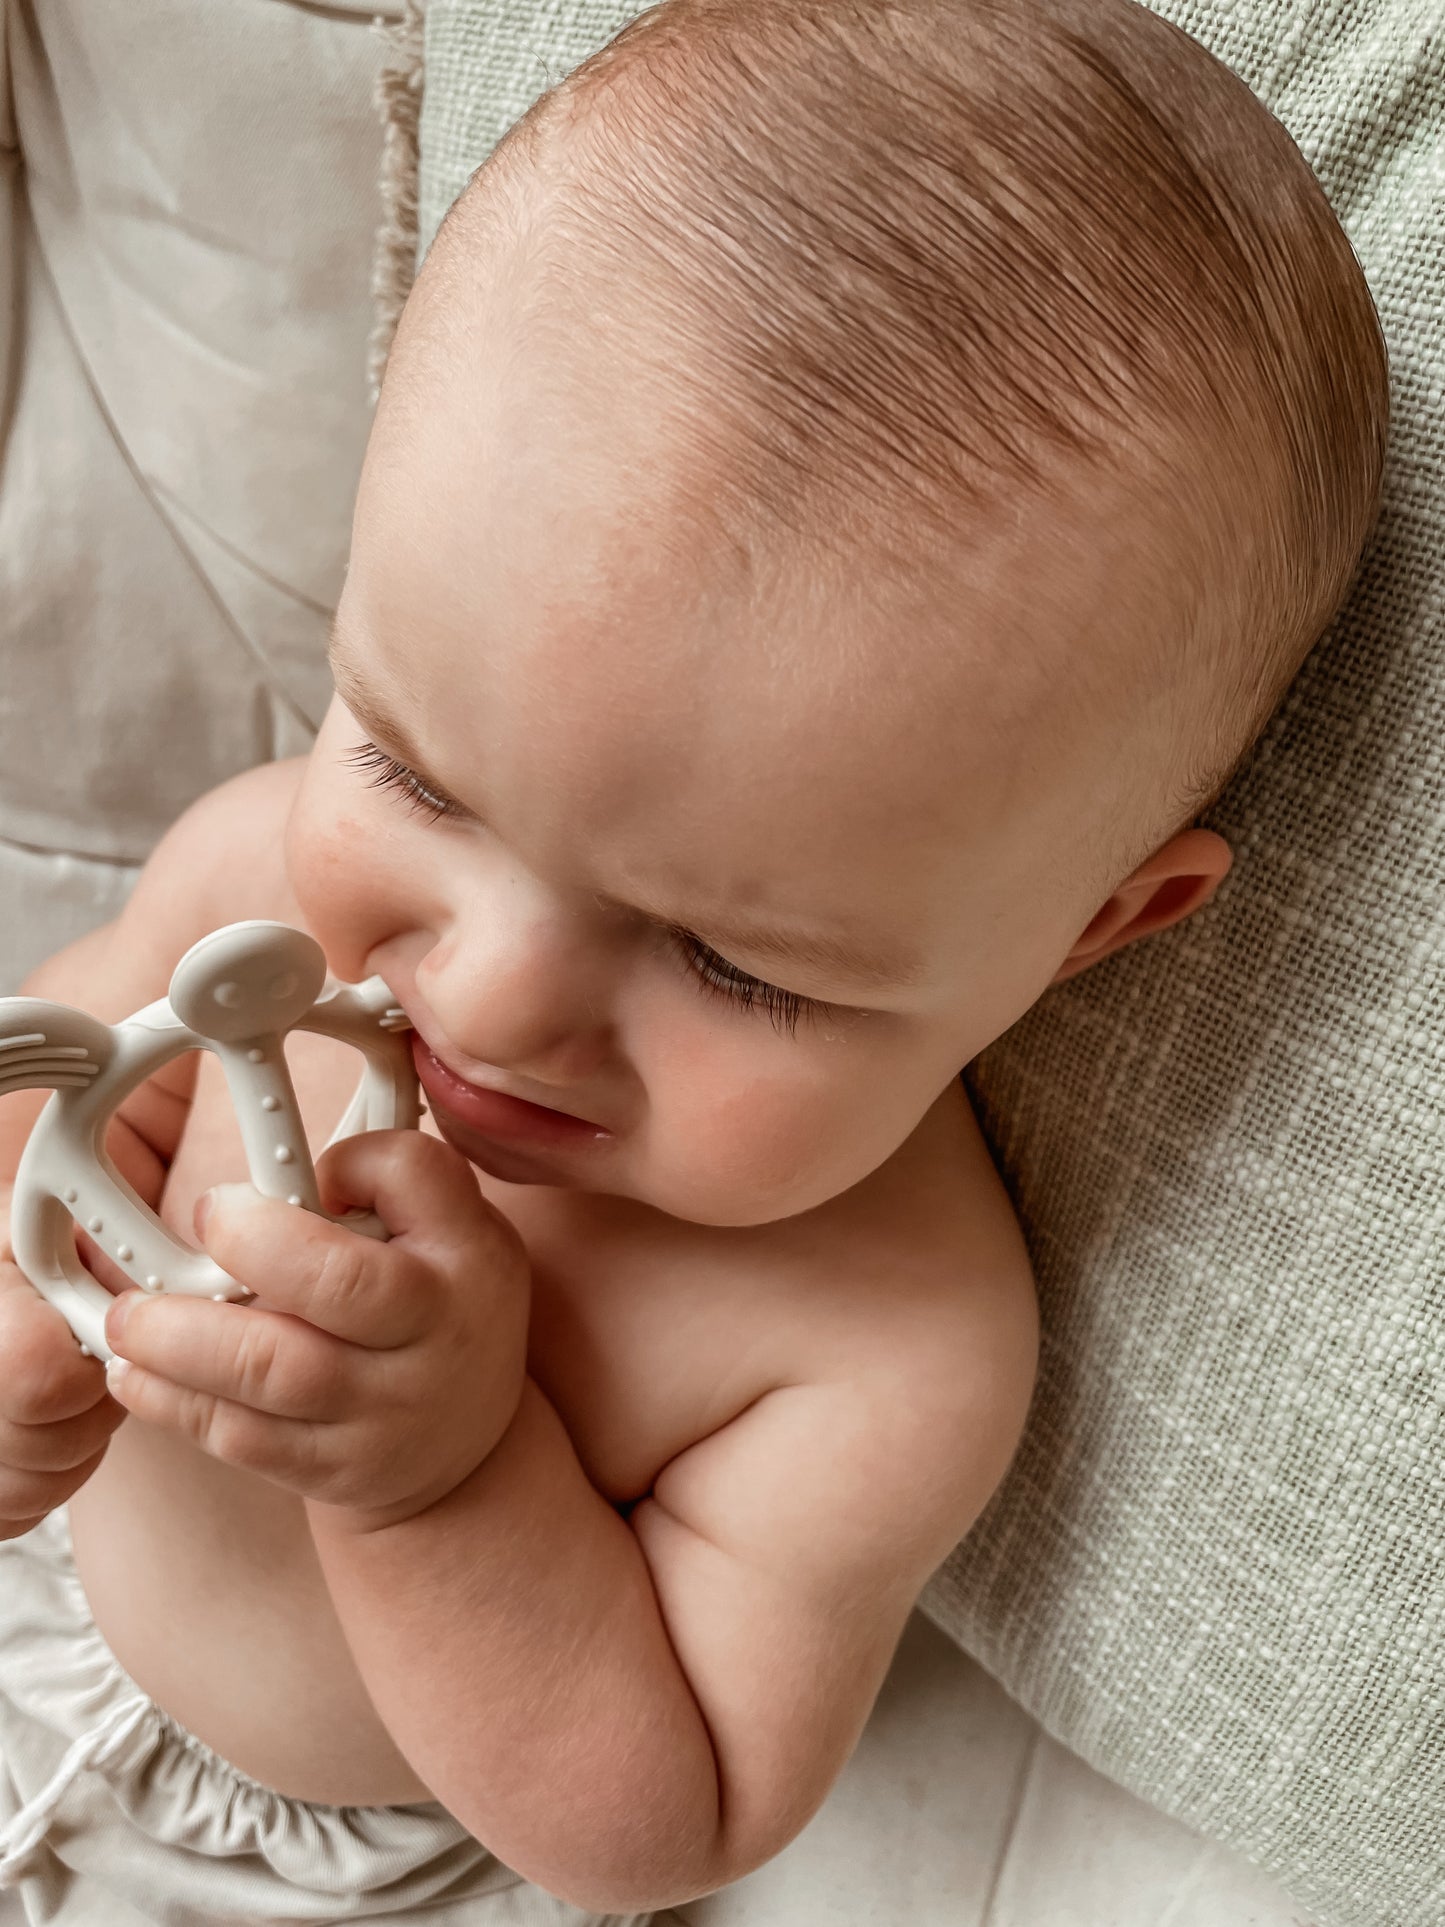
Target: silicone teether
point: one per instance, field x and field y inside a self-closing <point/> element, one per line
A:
<point x="236" y="993"/>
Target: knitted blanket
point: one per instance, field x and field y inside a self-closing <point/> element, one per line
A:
<point x="1216" y="1568"/>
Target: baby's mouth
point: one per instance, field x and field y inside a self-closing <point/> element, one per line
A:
<point x="494" y="1114"/>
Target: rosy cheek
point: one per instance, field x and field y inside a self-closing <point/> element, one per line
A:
<point x="317" y="836"/>
<point x="339" y="890"/>
<point x="772" y="1139"/>
<point x="736" y="1136"/>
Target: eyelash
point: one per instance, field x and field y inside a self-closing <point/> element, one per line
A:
<point x="712" y="974"/>
<point x="716" y="977"/>
<point x="388" y="774"/>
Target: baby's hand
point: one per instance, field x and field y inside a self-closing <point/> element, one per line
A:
<point x="55" y="1416"/>
<point x="368" y="1375"/>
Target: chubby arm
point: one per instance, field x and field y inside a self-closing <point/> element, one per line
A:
<point x="632" y="1713"/>
<point x="789" y="1549"/>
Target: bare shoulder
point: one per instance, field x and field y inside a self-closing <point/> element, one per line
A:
<point x="941" y="1393"/>
<point x="927" y="1255"/>
<point x="224" y="853"/>
<point x="896" y="1390"/>
<point x="219" y="862"/>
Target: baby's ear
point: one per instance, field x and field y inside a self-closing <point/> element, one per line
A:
<point x="1166" y="888"/>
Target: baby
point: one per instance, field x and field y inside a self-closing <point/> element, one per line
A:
<point x="852" y="481"/>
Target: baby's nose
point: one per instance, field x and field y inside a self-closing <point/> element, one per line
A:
<point x="532" y="1002"/>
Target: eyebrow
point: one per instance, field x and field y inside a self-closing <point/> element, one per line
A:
<point x="819" y="950"/>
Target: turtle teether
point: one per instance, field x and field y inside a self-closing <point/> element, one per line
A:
<point x="236" y="993"/>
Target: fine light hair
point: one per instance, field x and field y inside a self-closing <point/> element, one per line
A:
<point x="936" y="256"/>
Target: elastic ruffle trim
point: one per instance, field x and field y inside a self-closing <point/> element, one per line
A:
<point x="170" y="1784"/>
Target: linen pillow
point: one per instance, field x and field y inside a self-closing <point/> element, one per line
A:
<point x="1215" y="1570"/>
<point x="187" y="202"/>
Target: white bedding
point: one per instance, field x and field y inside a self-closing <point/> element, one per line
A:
<point x="957" y="1811"/>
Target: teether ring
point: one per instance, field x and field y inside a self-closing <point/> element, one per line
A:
<point x="237" y="992"/>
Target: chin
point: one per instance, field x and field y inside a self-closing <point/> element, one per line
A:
<point x="513" y="1167"/>
<point x="512" y="1164"/>
<point x="742" y="1214"/>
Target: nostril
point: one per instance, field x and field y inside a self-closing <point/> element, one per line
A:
<point x="227" y="994"/>
<point x="283" y="987"/>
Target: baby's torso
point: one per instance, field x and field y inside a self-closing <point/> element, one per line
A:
<point x="646" y="1334"/>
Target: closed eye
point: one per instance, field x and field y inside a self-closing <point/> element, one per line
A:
<point x="711" y="972"/>
<point x="389" y="774"/>
<point x="717" y="976"/>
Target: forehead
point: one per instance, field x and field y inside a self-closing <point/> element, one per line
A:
<point x="626" y="714"/>
<point x="641" y="705"/>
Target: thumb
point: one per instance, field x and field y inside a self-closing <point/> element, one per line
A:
<point x="422" y="1188"/>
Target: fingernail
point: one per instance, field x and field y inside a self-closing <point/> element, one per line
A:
<point x="201" y="1211"/>
<point x="117" y="1313"/>
<point x="116" y="1369"/>
<point x="235" y="1197"/>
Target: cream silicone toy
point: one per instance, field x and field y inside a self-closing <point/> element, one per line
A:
<point x="236" y="992"/>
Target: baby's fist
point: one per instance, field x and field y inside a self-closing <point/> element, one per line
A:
<point x="372" y="1376"/>
<point x="56" y="1416"/>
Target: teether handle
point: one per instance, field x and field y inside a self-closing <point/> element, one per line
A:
<point x="277" y="1154"/>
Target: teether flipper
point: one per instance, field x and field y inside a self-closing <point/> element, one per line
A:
<point x="236" y="993"/>
<point x="44" y="1045"/>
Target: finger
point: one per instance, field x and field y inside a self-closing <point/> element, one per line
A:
<point x="369" y="1292"/>
<point x="28" y="1497"/>
<point x="265" y="1360"/>
<point x="285" y="1450"/>
<point x="423" y="1190"/>
<point x="61" y="1445"/>
<point x="46" y="1376"/>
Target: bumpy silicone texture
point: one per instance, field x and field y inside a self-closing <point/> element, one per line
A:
<point x="237" y="992"/>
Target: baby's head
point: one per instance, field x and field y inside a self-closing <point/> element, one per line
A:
<point x="852" y="480"/>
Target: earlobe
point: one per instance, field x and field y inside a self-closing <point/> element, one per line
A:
<point x="1177" y="880"/>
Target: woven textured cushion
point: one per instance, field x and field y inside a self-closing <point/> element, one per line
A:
<point x="1216" y="1568"/>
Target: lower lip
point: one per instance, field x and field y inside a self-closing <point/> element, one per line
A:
<point x="490" y="1114"/>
